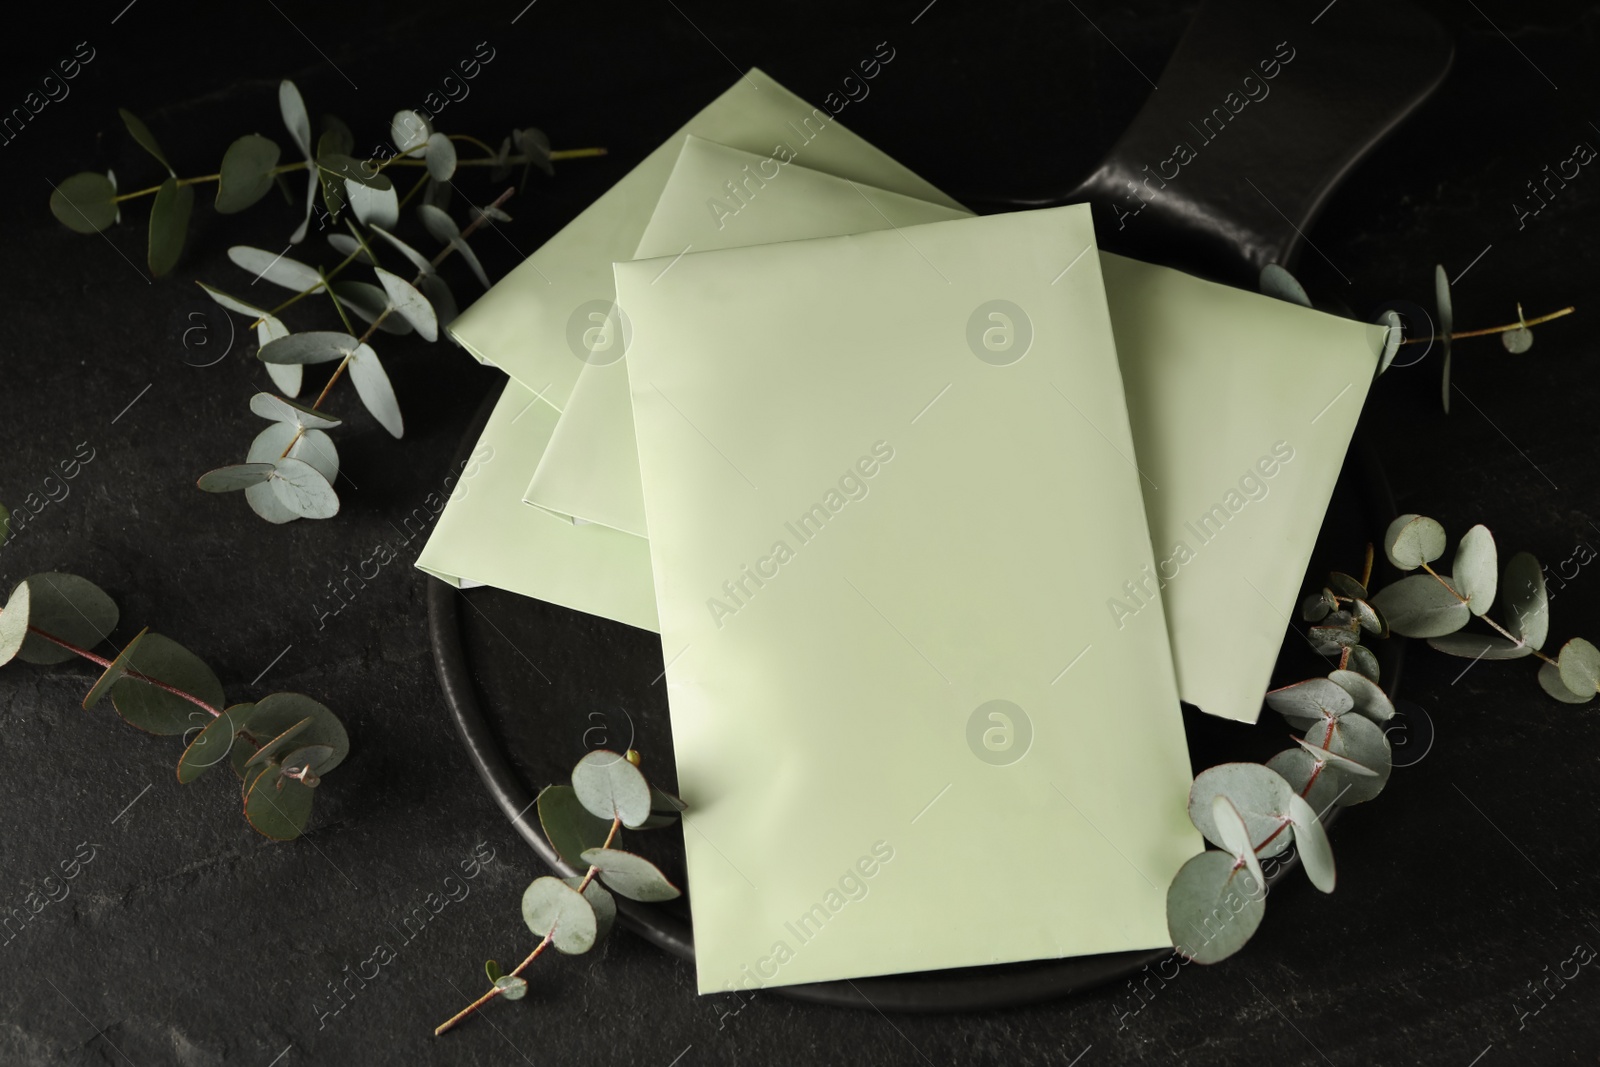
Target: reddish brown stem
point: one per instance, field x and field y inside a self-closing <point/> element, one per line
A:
<point x="145" y="678"/>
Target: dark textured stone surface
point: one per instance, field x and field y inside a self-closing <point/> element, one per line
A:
<point x="187" y="939"/>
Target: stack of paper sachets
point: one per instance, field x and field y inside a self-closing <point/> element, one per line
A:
<point x="938" y="517"/>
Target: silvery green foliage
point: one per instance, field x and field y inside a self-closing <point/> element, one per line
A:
<point x="1342" y="755"/>
<point x="583" y="823"/>
<point x="279" y="746"/>
<point x="290" y="483"/>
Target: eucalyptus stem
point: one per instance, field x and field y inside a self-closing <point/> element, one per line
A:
<point x="105" y="663"/>
<point x="495" y="991"/>
<point x="1486" y="331"/>
<point x="1507" y="634"/>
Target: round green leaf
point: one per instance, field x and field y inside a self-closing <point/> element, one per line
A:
<point x="611" y="787"/>
<point x="1297" y="767"/>
<point x="373" y="206"/>
<point x="233" y="478"/>
<point x="441" y="157"/>
<point x="1213" y="907"/>
<point x="274" y="714"/>
<point x="1370" y="618"/>
<point x="1391" y="341"/>
<point x="512" y="987"/>
<point x="466" y="253"/>
<point x="1369" y="699"/>
<point x="114" y="671"/>
<point x="1235" y="838"/>
<point x="553" y="909"/>
<point x="440" y="226"/>
<point x="293" y="109"/>
<point x="312" y="346"/>
<point x="1280" y="284"/>
<point x="1310" y="701"/>
<point x="1311" y="840"/>
<point x="418" y="260"/>
<point x="633" y="876"/>
<point x="276" y="268"/>
<point x="1360" y="740"/>
<point x="1517" y="341"/>
<point x="169" y="225"/>
<point x="1579" y="664"/>
<point x="604" y="905"/>
<point x="1413" y="540"/>
<point x="214" y="743"/>
<point x="1480" y="646"/>
<point x="156" y="710"/>
<point x="1523" y="597"/>
<point x="492" y="969"/>
<point x="14" y="623"/>
<point x="340" y="165"/>
<point x="1550" y="681"/>
<point x="309" y="758"/>
<point x="1345" y="766"/>
<point x="408" y="301"/>
<point x="349" y="246"/>
<point x="1315" y="607"/>
<point x="1332" y="640"/>
<point x="1476" y="568"/>
<point x="280" y="410"/>
<point x="69" y="607"/>
<point x="1344" y="585"/>
<point x="438" y="293"/>
<point x="246" y="173"/>
<point x="85" y="203"/>
<point x="370" y="302"/>
<point x="409" y="131"/>
<point x="279" y="745"/>
<point x="570" y="826"/>
<point x="1261" y="797"/>
<point x="278" y="807"/>
<point x="1420" y="606"/>
<point x="142" y="134"/>
<point x="372" y="386"/>
<point x="1362" y="661"/>
<point x="312" y="446"/>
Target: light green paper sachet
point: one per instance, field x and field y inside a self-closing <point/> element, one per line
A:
<point x="485" y="535"/>
<point x="1242" y="408"/>
<point x="882" y="537"/>
<point x="591" y="469"/>
<point x="533" y="323"/>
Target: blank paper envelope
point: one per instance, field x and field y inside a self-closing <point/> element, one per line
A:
<point x="888" y="486"/>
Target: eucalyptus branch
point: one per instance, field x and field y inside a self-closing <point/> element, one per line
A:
<point x="1489" y="330"/>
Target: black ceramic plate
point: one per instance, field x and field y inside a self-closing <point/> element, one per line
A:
<point x="532" y="686"/>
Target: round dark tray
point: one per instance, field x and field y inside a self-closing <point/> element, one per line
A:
<point x="532" y="686"/>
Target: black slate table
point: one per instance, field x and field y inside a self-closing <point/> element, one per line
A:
<point x="185" y="938"/>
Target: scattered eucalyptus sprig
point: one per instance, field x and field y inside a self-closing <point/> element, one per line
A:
<point x="290" y="467"/>
<point x="280" y="746"/>
<point x="582" y="822"/>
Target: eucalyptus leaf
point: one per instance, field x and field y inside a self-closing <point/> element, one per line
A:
<point x="169" y="225"/>
<point x="1476" y="568"/>
<point x="307" y="759"/>
<point x="1370" y="700"/>
<point x="570" y="827"/>
<point x="1517" y="341"/>
<point x="293" y="109"/>
<point x="555" y="910"/>
<point x="370" y="302"/>
<point x="1311" y="841"/>
<point x="1524" y="599"/>
<point x="1370" y="618"/>
<point x="246" y="173"/>
<point x="114" y="671"/>
<point x="277" y="746"/>
<point x="373" y="386"/>
<point x="1260" y="795"/>
<point x="348" y="246"/>
<point x="441" y="157"/>
<point x="493" y="971"/>
<point x="1213" y="907"/>
<point x="1447" y="326"/>
<point x="611" y="787"/>
<point x="601" y="900"/>
<point x="14" y="623"/>
<point x="1391" y="341"/>
<point x="1362" y="741"/>
<point x="1298" y="768"/>
<point x="141" y="133"/>
<point x="512" y="987"/>
<point x="302" y="489"/>
<point x="372" y="205"/>
<point x="1579" y="664"/>
<point x="1329" y="758"/>
<point x="1346" y="586"/>
<point x="1311" y="701"/>
<point x="418" y="260"/>
<point x="1480" y="646"/>
<point x="69" y="607"/>
<point x="278" y="807"/>
<point x="312" y="446"/>
<point x="85" y="203"/>
<point x="1361" y="660"/>
<point x="232" y="479"/>
<point x="535" y="145"/>
<point x="276" y="268"/>
<point x="461" y="246"/>
<point x="1420" y="606"/>
<point x="1235" y="837"/>
<point x="312" y="346"/>
<point x="632" y="876"/>
<point x="155" y="710"/>
<point x="410" y="303"/>
<point x="338" y="165"/>
<point x="440" y="226"/>
<point x="278" y="409"/>
<point x="274" y="714"/>
<point x="1280" y="284"/>
<point x="1315" y="607"/>
<point x="438" y="293"/>
<point x="1413" y="540"/>
<point x="1331" y="640"/>
<point x="1550" y="681"/>
<point x="213" y="743"/>
<point x="409" y="131"/>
